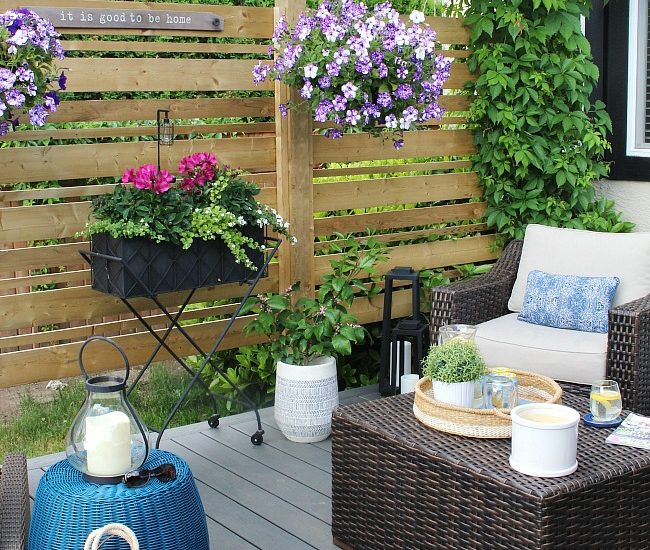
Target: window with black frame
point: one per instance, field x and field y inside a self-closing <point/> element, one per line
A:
<point x="619" y="34"/>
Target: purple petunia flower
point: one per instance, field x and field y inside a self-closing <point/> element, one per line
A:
<point x="284" y="109"/>
<point x="352" y="117"/>
<point x="340" y="103"/>
<point x="4" y="128"/>
<point x="349" y="90"/>
<point x="62" y="80"/>
<point x="307" y="90"/>
<point x="384" y="100"/>
<point x="404" y="91"/>
<point x="7" y="79"/>
<point x="14" y="98"/>
<point x="333" y="69"/>
<point x="333" y="133"/>
<point x="324" y="82"/>
<point x="37" y="115"/>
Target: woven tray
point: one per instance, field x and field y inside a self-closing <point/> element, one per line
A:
<point x="483" y="423"/>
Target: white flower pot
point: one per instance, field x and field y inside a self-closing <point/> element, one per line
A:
<point x="305" y="396"/>
<point x="460" y="394"/>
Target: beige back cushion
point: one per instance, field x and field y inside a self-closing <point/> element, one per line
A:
<point x="588" y="254"/>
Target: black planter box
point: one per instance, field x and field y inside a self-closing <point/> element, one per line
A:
<point x="146" y="268"/>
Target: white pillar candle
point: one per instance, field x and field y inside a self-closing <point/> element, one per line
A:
<point x="108" y="444"/>
<point x="408" y="382"/>
<point x="407" y="359"/>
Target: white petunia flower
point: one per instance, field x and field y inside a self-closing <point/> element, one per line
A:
<point x="416" y="17"/>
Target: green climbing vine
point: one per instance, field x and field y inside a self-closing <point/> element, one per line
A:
<point x="540" y="141"/>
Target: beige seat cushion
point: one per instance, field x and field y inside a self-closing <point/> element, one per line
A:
<point x="568" y="355"/>
<point x="587" y="254"/>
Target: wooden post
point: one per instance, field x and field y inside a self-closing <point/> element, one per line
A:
<point x="295" y="176"/>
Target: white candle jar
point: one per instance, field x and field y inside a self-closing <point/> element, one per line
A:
<point x="544" y="439"/>
<point x="106" y="439"/>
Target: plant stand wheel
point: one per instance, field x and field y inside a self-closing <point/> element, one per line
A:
<point x="213" y="421"/>
<point x="258" y="437"/>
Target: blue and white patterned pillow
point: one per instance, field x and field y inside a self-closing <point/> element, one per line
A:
<point x="568" y="301"/>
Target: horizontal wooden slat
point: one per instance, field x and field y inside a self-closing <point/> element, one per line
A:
<point x="449" y="30"/>
<point x="357" y="147"/>
<point x="51" y="221"/>
<point x="72" y="277"/>
<point x="113" y="327"/>
<point x="145" y="109"/>
<point x="455" y="102"/>
<point x="80" y="303"/>
<point x="412" y="235"/>
<point x="391" y="168"/>
<point x="172" y="47"/>
<point x="399" y="190"/>
<point x="63" y="162"/>
<point x="21" y="259"/>
<point x="131" y="131"/>
<point x="240" y="22"/>
<point x="267" y="194"/>
<point x="58" y="221"/>
<point x="426" y="255"/>
<point x="124" y="75"/>
<point x="397" y="219"/>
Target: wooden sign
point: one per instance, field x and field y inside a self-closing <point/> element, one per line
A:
<point x="104" y="18"/>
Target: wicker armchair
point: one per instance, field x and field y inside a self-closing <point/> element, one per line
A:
<point x="14" y="503"/>
<point x="474" y="301"/>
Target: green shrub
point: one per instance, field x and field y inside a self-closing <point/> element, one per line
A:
<point x="456" y="360"/>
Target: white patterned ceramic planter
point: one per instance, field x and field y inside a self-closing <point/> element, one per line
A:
<point x="305" y="396"/>
<point x="460" y="394"/>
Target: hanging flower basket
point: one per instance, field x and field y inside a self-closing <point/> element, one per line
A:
<point x="360" y="69"/>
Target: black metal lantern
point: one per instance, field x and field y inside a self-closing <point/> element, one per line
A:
<point x="165" y="131"/>
<point x="403" y="345"/>
<point x="106" y="439"/>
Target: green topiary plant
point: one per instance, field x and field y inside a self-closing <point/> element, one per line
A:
<point x="540" y="141"/>
<point x="457" y="360"/>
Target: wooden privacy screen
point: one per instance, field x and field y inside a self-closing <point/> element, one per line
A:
<point x="320" y="185"/>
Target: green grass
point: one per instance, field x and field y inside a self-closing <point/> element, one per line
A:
<point x="41" y="428"/>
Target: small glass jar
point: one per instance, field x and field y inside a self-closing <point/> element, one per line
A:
<point x="499" y="392"/>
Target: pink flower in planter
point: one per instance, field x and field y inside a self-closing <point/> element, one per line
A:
<point x="197" y="169"/>
<point x="144" y="176"/>
<point x="128" y="176"/>
<point x="162" y="182"/>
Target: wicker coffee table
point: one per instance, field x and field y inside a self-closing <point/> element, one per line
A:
<point x="399" y="484"/>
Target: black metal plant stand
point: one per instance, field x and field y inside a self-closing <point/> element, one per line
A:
<point x="407" y="330"/>
<point x="213" y="421"/>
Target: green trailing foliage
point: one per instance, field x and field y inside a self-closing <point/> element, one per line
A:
<point x="540" y="141"/>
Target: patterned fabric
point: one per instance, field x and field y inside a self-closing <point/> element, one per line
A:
<point x="568" y="301"/>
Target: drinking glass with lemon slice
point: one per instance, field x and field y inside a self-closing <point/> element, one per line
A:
<point x="605" y="401"/>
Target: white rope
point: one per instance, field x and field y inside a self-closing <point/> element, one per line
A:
<point x="112" y="530"/>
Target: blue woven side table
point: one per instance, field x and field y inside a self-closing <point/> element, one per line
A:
<point x="163" y="515"/>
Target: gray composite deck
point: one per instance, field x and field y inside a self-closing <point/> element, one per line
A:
<point x="275" y="496"/>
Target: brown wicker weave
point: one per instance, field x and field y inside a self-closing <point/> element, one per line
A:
<point x="14" y="503"/>
<point x="398" y="484"/>
<point x="477" y="300"/>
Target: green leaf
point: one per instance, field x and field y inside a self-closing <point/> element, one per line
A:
<point x="341" y="345"/>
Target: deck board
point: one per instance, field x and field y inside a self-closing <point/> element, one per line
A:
<point x="277" y="495"/>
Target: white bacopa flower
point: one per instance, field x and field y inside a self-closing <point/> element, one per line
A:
<point x="416" y="17"/>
